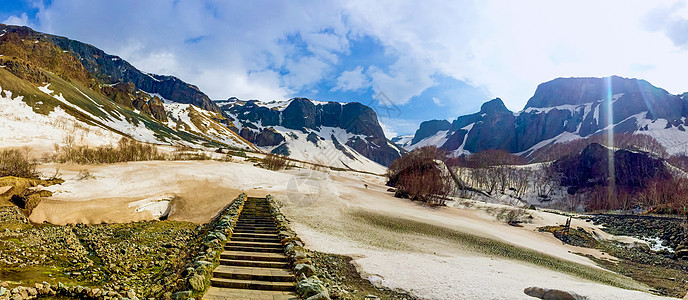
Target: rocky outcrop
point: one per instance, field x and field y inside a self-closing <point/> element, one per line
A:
<point x="591" y="168"/>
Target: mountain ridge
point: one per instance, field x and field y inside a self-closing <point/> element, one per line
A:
<point x="561" y="110"/>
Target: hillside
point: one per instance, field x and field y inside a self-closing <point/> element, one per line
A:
<point x="70" y="97"/>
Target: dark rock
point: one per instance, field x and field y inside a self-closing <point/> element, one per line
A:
<point x="299" y="114"/>
<point x="430" y="128"/>
<point x="552" y="294"/>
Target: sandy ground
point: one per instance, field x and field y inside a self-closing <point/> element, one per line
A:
<point x="320" y="206"/>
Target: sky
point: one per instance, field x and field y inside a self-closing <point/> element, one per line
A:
<point x="411" y="61"/>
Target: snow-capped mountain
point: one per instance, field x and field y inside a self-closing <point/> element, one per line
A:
<point x="345" y="135"/>
<point x="561" y="110"/>
<point x="68" y="89"/>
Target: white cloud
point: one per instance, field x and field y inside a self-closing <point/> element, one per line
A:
<point x="352" y="80"/>
<point x="437" y="101"/>
<point x="22" y="20"/>
<point x="405" y="80"/>
<point x="507" y="47"/>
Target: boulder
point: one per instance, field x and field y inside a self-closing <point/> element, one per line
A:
<point x="552" y="294"/>
<point x="305" y="269"/>
<point x="310" y="286"/>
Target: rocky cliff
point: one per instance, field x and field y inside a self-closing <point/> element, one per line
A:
<point x="564" y="109"/>
<point x="278" y="125"/>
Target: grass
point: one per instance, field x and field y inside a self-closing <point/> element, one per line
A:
<point x="495" y="248"/>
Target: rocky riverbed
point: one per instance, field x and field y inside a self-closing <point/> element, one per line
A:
<point x="670" y="233"/>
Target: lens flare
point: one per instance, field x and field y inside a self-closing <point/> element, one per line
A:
<point x="610" y="140"/>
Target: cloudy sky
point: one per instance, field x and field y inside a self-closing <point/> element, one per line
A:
<point x="410" y="60"/>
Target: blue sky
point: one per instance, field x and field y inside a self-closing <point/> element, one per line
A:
<point x="410" y="60"/>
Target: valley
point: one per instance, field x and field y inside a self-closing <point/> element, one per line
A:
<point x="121" y="184"/>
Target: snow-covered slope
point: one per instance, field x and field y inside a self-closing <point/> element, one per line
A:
<point x="343" y="135"/>
<point x="39" y="116"/>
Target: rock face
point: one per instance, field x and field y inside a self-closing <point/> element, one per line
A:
<point x="564" y="109"/>
<point x="112" y="69"/>
<point x="354" y="125"/>
<point x="591" y="167"/>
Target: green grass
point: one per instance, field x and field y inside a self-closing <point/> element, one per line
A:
<point x="495" y="248"/>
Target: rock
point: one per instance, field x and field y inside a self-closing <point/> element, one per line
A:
<point x="183" y="295"/>
<point x="3" y="290"/>
<point x="552" y="294"/>
<point x="197" y="282"/>
<point x="310" y="287"/>
<point x="320" y="296"/>
<point x="307" y="270"/>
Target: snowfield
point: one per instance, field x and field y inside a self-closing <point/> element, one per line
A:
<point x="22" y="127"/>
<point x="323" y="209"/>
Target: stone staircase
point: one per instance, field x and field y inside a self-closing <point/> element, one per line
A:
<point x="253" y="265"/>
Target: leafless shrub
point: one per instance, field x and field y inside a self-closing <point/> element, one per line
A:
<point x="15" y="162"/>
<point x="85" y="174"/>
<point x="418" y="176"/>
<point x="274" y="162"/>
<point x="126" y="150"/>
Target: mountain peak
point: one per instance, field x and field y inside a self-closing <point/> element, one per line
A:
<point x="494" y="105"/>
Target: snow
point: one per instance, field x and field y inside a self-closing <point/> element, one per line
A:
<point x="157" y="206"/>
<point x="319" y="206"/>
<point x="561" y="138"/>
<point x="151" y="76"/>
<point x="569" y="107"/>
<point x="655" y="244"/>
<point x="22" y="127"/>
<point x="437" y="139"/>
<point x="325" y="153"/>
<point x="403" y="140"/>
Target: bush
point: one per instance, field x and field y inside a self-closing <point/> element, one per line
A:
<point x="274" y="162"/>
<point x="185" y="153"/>
<point x="418" y="176"/>
<point x="14" y="162"/>
<point x="126" y="150"/>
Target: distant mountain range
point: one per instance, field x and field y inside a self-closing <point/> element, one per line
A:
<point x="562" y="110"/>
<point x="347" y="135"/>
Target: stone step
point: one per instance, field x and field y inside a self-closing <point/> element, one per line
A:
<point x="253" y="263"/>
<point x="252" y="284"/>
<point x="216" y="293"/>
<point x="255" y="244"/>
<point x="253" y="273"/>
<point x="253" y="249"/>
<point x="259" y="256"/>
<point x="243" y="230"/>
<point x="248" y="227"/>
<point x="271" y="222"/>
<point x="255" y="235"/>
<point x="255" y="239"/>
<point x="248" y="224"/>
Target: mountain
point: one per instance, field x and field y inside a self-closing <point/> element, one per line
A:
<point x="71" y="88"/>
<point x="331" y="133"/>
<point x="561" y="110"/>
